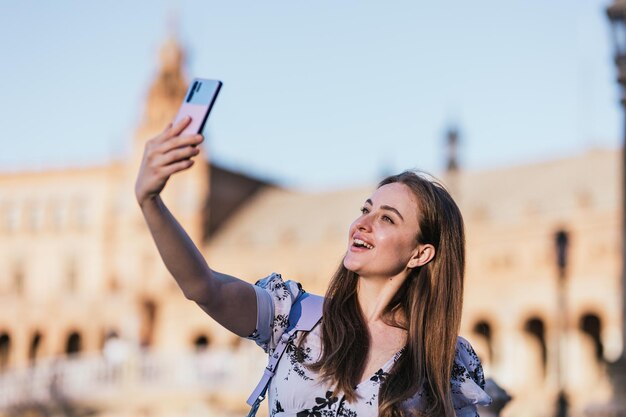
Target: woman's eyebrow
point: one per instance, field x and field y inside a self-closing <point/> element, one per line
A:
<point x="394" y="210"/>
<point x="385" y="207"/>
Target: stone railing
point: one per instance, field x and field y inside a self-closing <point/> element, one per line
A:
<point x="90" y="379"/>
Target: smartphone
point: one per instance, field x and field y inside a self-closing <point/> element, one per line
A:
<point x="198" y="103"/>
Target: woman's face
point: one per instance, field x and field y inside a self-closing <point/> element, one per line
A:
<point x="382" y="241"/>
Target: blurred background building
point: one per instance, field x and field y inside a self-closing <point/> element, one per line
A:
<point x="91" y="322"/>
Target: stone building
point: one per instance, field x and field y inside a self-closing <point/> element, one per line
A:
<point x="78" y="267"/>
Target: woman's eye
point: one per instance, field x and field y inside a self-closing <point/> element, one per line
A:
<point x="388" y="219"/>
<point x="364" y="210"/>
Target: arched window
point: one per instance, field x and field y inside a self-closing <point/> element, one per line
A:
<point x="201" y="343"/>
<point x="536" y="329"/>
<point x="591" y="326"/>
<point x="33" y="350"/>
<point x="148" y="322"/>
<point x="483" y="329"/>
<point x="5" y="349"/>
<point x="74" y="344"/>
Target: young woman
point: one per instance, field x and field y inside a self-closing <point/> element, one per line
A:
<point x="388" y="341"/>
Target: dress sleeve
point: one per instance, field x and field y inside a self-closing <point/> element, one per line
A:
<point x="274" y="298"/>
<point x="468" y="381"/>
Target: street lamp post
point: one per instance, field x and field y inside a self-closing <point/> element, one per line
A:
<point x="617" y="16"/>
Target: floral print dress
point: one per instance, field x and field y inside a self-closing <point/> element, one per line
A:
<point x="295" y="391"/>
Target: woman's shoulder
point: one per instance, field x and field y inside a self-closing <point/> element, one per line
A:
<point x="467" y="379"/>
<point x="275" y="299"/>
<point x="274" y="283"/>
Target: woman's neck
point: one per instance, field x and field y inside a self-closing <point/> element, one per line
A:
<point x="375" y="294"/>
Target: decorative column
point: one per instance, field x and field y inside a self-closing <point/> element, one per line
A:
<point x="562" y="244"/>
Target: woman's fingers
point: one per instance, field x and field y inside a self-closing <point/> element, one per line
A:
<point x="178" y="128"/>
<point x="178" y="166"/>
<point x="173" y="129"/>
<point x="181" y="141"/>
<point x="175" y="155"/>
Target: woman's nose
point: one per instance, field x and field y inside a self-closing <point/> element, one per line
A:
<point x="364" y="222"/>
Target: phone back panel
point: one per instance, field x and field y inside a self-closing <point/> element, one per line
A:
<point x="198" y="103"/>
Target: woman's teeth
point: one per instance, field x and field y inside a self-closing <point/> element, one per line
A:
<point x="359" y="242"/>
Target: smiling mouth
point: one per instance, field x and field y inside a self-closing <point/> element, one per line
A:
<point x="362" y="244"/>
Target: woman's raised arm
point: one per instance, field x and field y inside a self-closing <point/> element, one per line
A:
<point x="228" y="300"/>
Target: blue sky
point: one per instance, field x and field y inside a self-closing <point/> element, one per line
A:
<point x="318" y="94"/>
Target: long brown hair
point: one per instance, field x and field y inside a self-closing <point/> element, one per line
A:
<point x="431" y="299"/>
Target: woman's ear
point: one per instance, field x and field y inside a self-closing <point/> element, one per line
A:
<point x="422" y="255"/>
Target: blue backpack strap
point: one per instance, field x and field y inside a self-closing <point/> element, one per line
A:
<point x="305" y="313"/>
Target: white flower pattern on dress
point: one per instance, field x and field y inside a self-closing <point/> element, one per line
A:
<point x="295" y="391"/>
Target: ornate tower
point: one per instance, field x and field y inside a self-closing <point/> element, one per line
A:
<point x="452" y="160"/>
<point x="452" y="157"/>
<point x="166" y="92"/>
<point x="186" y="192"/>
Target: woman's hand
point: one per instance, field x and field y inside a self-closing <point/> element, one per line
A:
<point x="164" y="155"/>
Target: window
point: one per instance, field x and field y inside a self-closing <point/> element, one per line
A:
<point x="35" y="344"/>
<point x="536" y="329"/>
<point x="201" y="343"/>
<point x="73" y="345"/>
<point x="562" y="245"/>
<point x="5" y="350"/>
<point x="591" y="326"/>
<point x="483" y="329"/>
<point x="148" y="322"/>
